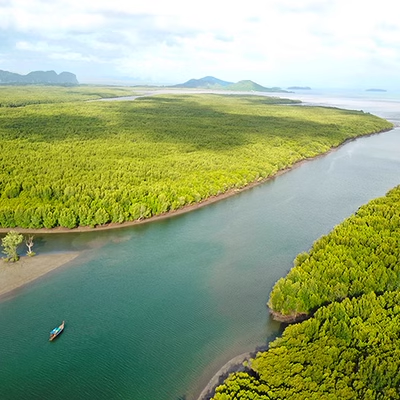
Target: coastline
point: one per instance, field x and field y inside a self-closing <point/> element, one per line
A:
<point x="236" y="364"/>
<point x="190" y="207"/>
<point x="14" y="275"/>
<point x="233" y="365"/>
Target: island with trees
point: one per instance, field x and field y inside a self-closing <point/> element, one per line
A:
<point x="210" y="82"/>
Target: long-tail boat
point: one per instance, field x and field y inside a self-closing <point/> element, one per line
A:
<point x="56" y="331"/>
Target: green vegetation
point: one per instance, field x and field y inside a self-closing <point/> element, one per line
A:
<point x="10" y="244"/>
<point x="350" y="348"/>
<point x="81" y="163"/>
<point x="248" y="85"/>
<point x="359" y="256"/>
<point x="18" y="96"/>
<point x="209" y="82"/>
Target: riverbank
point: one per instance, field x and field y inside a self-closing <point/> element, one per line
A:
<point x="236" y="364"/>
<point x="191" y="207"/>
<point x="28" y="269"/>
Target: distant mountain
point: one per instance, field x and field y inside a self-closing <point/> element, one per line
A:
<point x="376" y="90"/>
<point x="299" y="88"/>
<point x="209" y="82"/>
<point x="250" y="86"/>
<point x="38" y="77"/>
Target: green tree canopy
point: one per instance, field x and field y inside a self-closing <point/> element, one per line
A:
<point x="68" y="162"/>
<point x="10" y="244"/>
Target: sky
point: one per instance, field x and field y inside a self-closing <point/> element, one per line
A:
<point x="317" y="43"/>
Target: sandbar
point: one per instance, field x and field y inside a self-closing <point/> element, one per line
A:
<point x="16" y="274"/>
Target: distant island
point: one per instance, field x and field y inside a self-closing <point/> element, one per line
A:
<point x="209" y="82"/>
<point x="38" y="78"/>
<point x="376" y="90"/>
<point x="299" y="88"/>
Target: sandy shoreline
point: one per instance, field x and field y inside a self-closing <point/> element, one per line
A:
<point x="28" y="269"/>
<point x="233" y="365"/>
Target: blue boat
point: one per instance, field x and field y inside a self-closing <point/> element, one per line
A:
<point x="56" y="331"/>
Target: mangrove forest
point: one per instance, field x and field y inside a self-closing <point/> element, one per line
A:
<point x="69" y="161"/>
<point x="348" y="288"/>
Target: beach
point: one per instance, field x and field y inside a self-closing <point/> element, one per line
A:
<point x="16" y="274"/>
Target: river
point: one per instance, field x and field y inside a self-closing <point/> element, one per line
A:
<point x="153" y="311"/>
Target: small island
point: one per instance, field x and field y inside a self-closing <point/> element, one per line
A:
<point x="210" y="82"/>
<point x="376" y="90"/>
<point x="299" y="88"/>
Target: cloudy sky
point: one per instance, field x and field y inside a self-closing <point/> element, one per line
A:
<point x="318" y="43"/>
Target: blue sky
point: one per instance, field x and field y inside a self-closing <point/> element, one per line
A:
<point x="318" y="43"/>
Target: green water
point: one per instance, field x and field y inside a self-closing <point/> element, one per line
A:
<point x="153" y="311"/>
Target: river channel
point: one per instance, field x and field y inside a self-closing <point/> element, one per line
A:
<point x="153" y="311"/>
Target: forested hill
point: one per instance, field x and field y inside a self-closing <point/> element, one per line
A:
<point x="350" y="347"/>
<point x="39" y="77"/>
<point x="209" y="82"/>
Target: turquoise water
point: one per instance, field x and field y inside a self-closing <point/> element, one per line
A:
<point x="152" y="311"/>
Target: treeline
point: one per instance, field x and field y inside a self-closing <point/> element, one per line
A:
<point x="350" y="348"/>
<point x="19" y="96"/>
<point x="361" y="255"/>
<point x="91" y="163"/>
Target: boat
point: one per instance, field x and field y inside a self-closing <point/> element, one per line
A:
<point x="56" y="331"/>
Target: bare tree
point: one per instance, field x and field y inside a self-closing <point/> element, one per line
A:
<point x="29" y="244"/>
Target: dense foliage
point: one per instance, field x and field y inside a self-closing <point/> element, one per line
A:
<point x="349" y="349"/>
<point x="91" y="163"/>
<point x="10" y="244"/>
<point x="361" y="255"/>
<point x="18" y="96"/>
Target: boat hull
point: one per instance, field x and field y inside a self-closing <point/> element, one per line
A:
<point x="56" y="331"/>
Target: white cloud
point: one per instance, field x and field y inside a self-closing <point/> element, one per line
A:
<point x="273" y="42"/>
<point x="41" y="46"/>
<point x="71" y="56"/>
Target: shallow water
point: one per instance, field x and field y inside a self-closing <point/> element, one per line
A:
<point x="152" y="311"/>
